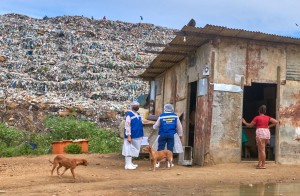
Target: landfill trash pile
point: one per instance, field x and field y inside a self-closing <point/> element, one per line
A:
<point x="72" y="65"/>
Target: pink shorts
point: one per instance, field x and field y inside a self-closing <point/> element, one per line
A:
<point x="263" y="133"/>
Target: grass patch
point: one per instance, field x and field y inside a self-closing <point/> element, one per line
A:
<point x="14" y="142"/>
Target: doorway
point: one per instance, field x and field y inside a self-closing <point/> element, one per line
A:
<point x="192" y="112"/>
<point x="254" y="96"/>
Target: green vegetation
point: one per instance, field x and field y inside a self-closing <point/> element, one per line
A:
<point x="14" y="142"/>
<point x="69" y="128"/>
<point x="10" y="136"/>
<point x="73" y="148"/>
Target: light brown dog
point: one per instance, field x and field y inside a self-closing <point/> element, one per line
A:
<point x="68" y="163"/>
<point x="159" y="156"/>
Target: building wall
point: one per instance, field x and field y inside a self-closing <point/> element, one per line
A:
<point x="173" y="90"/>
<point x="159" y="92"/>
<point x="226" y="129"/>
<point x="289" y="113"/>
<point x="229" y="61"/>
<point x="181" y="94"/>
<point x="262" y="60"/>
<point x="256" y="62"/>
<point x="170" y="85"/>
<point x="226" y="108"/>
<point x="201" y="58"/>
<point x="289" y="148"/>
<point x="195" y="69"/>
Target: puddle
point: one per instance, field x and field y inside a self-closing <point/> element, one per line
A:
<point x="268" y="189"/>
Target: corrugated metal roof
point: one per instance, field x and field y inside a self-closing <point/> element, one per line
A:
<point x="179" y="48"/>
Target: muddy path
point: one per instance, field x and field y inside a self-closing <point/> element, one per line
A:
<point x="105" y="175"/>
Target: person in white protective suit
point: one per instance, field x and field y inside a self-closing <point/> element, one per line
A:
<point x="133" y="134"/>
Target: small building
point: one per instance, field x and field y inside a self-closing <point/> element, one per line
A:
<point x="214" y="76"/>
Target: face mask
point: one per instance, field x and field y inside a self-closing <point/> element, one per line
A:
<point x="136" y="108"/>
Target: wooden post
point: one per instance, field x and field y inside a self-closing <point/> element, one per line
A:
<point x="163" y="93"/>
<point x="187" y="113"/>
<point x="277" y="134"/>
<point x="241" y="124"/>
<point x="175" y="91"/>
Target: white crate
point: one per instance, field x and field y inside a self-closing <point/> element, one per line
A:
<point x="186" y="157"/>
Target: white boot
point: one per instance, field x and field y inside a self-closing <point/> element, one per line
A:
<point x="128" y="163"/>
<point x="134" y="165"/>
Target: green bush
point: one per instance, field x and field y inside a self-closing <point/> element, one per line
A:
<point x="24" y="149"/>
<point x="69" y="128"/>
<point x="73" y="148"/>
<point x="14" y="142"/>
<point x="10" y="136"/>
<point x="43" y="143"/>
<point x="9" y="152"/>
<point x="105" y="141"/>
<point x="2" y="146"/>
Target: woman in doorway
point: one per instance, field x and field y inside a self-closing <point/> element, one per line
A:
<point x="263" y="123"/>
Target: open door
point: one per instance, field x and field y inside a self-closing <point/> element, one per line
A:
<point x="254" y="96"/>
<point x="192" y="113"/>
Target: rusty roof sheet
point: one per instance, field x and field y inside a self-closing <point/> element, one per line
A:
<point x="189" y="39"/>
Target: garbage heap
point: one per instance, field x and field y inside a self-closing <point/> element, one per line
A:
<point x="72" y="65"/>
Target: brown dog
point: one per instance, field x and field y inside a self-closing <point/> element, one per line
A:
<point x="68" y="163"/>
<point x="159" y="156"/>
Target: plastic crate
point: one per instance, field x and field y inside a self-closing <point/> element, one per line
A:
<point x="186" y="157"/>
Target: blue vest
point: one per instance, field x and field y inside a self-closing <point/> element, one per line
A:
<point x="168" y="122"/>
<point x="136" y="126"/>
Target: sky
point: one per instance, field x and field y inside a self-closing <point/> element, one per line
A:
<point x="268" y="16"/>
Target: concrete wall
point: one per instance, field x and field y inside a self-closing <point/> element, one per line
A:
<point x="262" y="61"/>
<point x="226" y="108"/>
<point x="289" y="114"/>
<point x="257" y="62"/>
<point x="289" y="148"/>
<point x="202" y="57"/>
<point x="225" y="138"/>
<point x="230" y="61"/>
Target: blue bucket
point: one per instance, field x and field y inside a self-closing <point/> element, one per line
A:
<point x="33" y="146"/>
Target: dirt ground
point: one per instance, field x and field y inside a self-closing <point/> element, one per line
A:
<point x="105" y="175"/>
